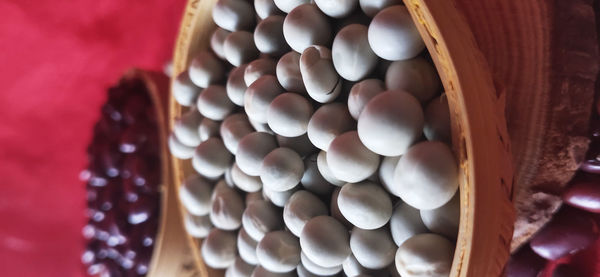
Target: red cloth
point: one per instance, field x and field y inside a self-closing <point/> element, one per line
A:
<point x="56" y="60"/>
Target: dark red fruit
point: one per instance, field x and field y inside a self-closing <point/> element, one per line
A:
<point x="583" y="195"/>
<point x="524" y="263"/>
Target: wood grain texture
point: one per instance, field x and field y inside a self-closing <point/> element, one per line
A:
<point x="543" y="55"/>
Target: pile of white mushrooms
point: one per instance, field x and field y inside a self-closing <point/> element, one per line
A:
<point x="320" y="136"/>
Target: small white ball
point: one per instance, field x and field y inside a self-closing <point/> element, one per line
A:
<point x="393" y="35"/>
<point x="281" y="169"/>
<point x="257" y="69"/>
<point x="260" y="271"/>
<point x="214" y="103"/>
<point x="322" y="82"/>
<point x="372" y="7"/>
<point x="352" y="56"/>
<point x="186" y="128"/>
<point x="278" y="251"/>
<point x="194" y="195"/>
<point x="206" y="69"/>
<point x="236" y="86"/>
<point x="288" y="5"/>
<point x="260" y="127"/>
<point x="437" y="120"/>
<point x="405" y="223"/>
<point x="278" y="198"/>
<point x="247" y="247"/>
<point x="390" y="123"/>
<point x="325" y="171"/>
<point x="334" y="209"/>
<point x="240" y="269"/>
<point x="304" y="26"/>
<point x="425" y="255"/>
<point x="416" y="76"/>
<point x="353" y="268"/>
<point x="227" y="208"/>
<point x="239" y="48"/>
<point x="366" y="205"/>
<point x="266" y="8"/>
<point x="300" y="144"/>
<point x="244" y="181"/>
<point x="233" y="15"/>
<point x="261" y="217"/>
<point x="252" y="150"/>
<point x="337" y="8"/>
<point x="373" y="249"/>
<point x="361" y="93"/>
<point x="318" y="270"/>
<point x="349" y="160"/>
<point x="218" y="249"/>
<point x="233" y="129"/>
<point x="259" y="96"/>
<point x="180" y="150"/>
<point x="208" y="128"/>
<point x="328" y="122"/>
<point x="211" y="158"/>
<point x="312" y="180"/>
<point x="217" y="39"/>
<point x="288" y="72"/>
<point x="386" y="171"/>
<point x="184" y="91"/>
<point x="325" y="241"/>
<point x="197" y="226"/>
<point x="300" y="208"/>
<point x="426" y="176"/>
<point x="444" y="220"/>
<point x="288" y="114"/>
<point x="268" y="36"/>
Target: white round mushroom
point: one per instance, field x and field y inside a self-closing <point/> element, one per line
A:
<point x="325" y="241"/>
<point x="247" y="247"/>
<point x="261" y="217"/>
<point x="328" y="122"/>
<point x="373" y="249"/>
<point x="426" y="176"/>
<point x="405" y="223"/>
<point x="184" y="91"/>
<point x="353" y="268"/>
<point x="288" y="5"/>
<point x="366" y="205"/>
<point x="217" y="39"/>
<point x="180" y="150"/>
<point x="244" y="181"/>
<point x="386" y="172"/>
<point x="206" y="69"/>
<point x="261" y="127"/>
<point x="214" y="103"/>
<point x="251" y="151"/>
<point x="349" y="160"/>
<point x="227" y="207"/>
<point x="301" y="271"/>
<point x="304" y="26"/>
<point x="393" y="35"/>
<point x="186" y="128"/>
<point x="437" y="120"/>
<point x="281" y="169"/>
<point x="259" y="68"/>
<point x="266" y="8"/>
<point x="325" y="171"/>
<point x="416" y="76"/>
<point x="268" y="36"/>
<point x="236" y="86"/>
<point x="322" y="82"/>
<point x="218" y="249"/>
<point x="425" y="255"/>
<point x="233" y="15"/>
<point x="197" y="226"/>
<point x="337" y="8"/>
<point x="240" y="269"/>
<point x="312" y="180"/>
<point x="259" y="96"/>
<point x="445" y="219"/>
<point x="300" y="144"/>
<point x="390" y="123"/>
<point x="288" y="72"/>
<point x="208" y="128"/>
<point x="239" y="47"/>
<point x="260" y="271"/>
<point x="211" y="158"/>
<point x="288" y="114"/>
<point x="194" y="194"/>
<point x="300" y="208"/>
<point x="361" y="93"/>
<point x="233" y="129"/>
<point x="334" y="209"/>
<point x="352" y="56"/>
<point x="278" y="198"/>
<point x="254" y="196"/>
<point x="318" y="270"/>
<point x="372" y="7"/>
<point x="278" y="251"/>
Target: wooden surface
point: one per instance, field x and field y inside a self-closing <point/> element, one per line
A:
<point x="543" y="55"/>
